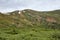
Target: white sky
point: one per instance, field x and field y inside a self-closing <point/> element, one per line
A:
<point x="41" y="5"/>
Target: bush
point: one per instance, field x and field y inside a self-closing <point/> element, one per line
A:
<point x="1" y="38"/>
<point x="56" y="36"/>
<point x="13" y="32"/>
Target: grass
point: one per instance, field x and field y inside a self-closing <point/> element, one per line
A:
<point x="26" y="33"/>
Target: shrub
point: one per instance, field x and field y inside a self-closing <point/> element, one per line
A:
<point x="13" y="32"/>
<point x="1" y="38"/>
<point x="56" y="36"/>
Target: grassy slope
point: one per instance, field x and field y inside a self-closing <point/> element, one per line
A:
<point x="29" y="25"/>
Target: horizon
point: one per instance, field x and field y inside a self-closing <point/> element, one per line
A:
<point x="39" y="5"/>
<point x="29" y="9"/>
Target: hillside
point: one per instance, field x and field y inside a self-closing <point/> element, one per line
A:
<point x="29" y="24"/>
<point x="29" y="17"/>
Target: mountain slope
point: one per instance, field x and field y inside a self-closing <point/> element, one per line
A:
<point x="30" y="25"/>
<point x="30" y="17"/>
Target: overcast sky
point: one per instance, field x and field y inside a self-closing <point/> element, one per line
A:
<point x="42" y="5"/>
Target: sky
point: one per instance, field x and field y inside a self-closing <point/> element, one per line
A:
<point x="41" y="5"/>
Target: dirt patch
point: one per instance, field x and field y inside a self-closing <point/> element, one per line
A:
<point x="50" y="19"/>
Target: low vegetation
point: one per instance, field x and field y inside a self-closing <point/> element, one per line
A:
<point x="30" y="25"/>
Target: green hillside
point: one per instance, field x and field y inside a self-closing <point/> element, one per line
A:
<point x="30" y="25"/>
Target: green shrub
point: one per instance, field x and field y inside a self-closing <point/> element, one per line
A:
<point x="56" y="36"/>
<point x="13" y="32"/>
<point x="2" y="38"/>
